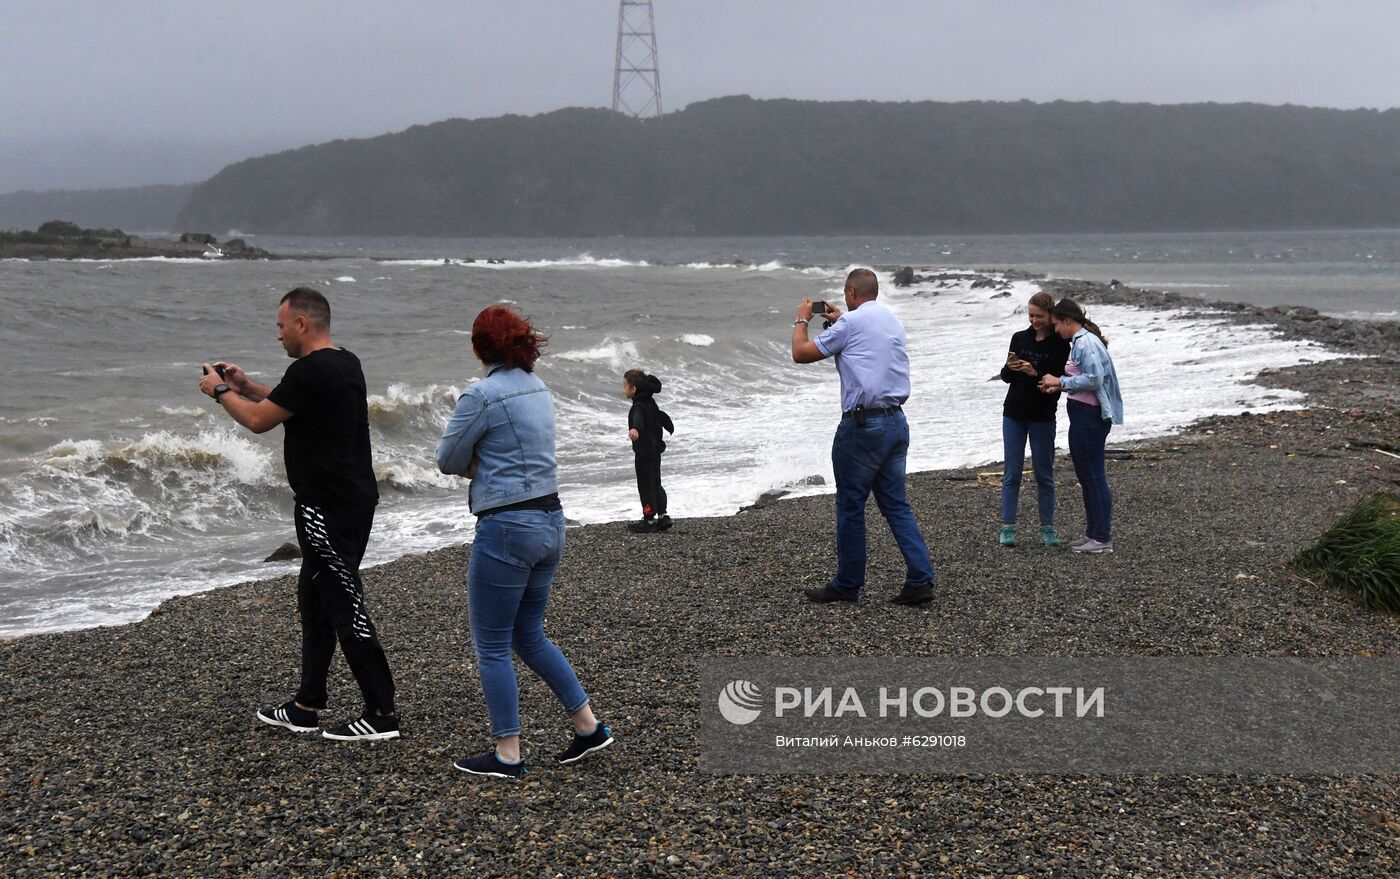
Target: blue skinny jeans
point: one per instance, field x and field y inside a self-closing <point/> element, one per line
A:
<point x="1014" y="433"/>
<point x="1088" y="432"/>
<point x="514" y="557"/>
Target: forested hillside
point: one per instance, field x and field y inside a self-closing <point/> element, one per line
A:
<point x="737" y="166"/>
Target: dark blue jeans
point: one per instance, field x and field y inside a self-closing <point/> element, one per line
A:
<point x="1088" y="431"/>
<point x="866" y="459"/>
<point x="514" y="557"/>
<point x="1014" y="433"/>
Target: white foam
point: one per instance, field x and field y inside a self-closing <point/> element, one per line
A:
<point x="583" y="260"/>
<point x="345" y="279"/>
<point x="402" y="406"/>
<point x="699" y="340"/>
<point x="164" y="454"/>
<point x="722" y="456"/>
<point x="184" y="411"/>
<point x="611" y="351"/>
<point x="413" y="474"/>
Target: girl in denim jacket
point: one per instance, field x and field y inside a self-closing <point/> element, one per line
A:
<point x="1094" y="405"/>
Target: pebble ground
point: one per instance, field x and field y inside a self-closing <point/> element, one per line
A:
<point x="133" y="750"/>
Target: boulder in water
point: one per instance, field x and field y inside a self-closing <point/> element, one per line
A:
<point x="285" y="552"/>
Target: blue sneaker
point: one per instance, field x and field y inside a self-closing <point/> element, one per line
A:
<point x="490" y="764"/>
<point x="1048" y="536"/>
<point x="583" y="745"/>
<point x="1007" y="536"/>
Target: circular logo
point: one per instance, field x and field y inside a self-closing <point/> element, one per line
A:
<point x="739" y="702"/>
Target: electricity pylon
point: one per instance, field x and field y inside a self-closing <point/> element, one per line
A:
<point x="636" y="76"/>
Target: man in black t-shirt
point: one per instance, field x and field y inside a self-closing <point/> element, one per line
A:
<point x="321" y="403"/>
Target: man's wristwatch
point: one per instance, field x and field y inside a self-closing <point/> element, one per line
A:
<point x="220" y="389"/>
<point x="799" y="323"/>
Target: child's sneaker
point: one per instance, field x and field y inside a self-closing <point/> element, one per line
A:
<point x="1007" y="536"/>
<point x="370" y="728"/>
<point x="663" y="523"/>
<point x="643" y="526"/>
<point x="490" y="764"/>
<point x="582" y="745"/>
<point x="1048" y="536"/>
<point x="290" y="717"/>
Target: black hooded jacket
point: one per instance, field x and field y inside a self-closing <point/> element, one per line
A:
<point x="647" y="419"/>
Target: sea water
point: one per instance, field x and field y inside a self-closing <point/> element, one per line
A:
<point x="123" y="485"/>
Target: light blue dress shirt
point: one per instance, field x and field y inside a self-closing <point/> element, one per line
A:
<point x="868" y="344"/>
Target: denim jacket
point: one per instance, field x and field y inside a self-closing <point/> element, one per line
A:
<point x="505" y="421"/>
<point x="1096" y="374"/>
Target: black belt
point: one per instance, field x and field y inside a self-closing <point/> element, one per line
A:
<point x="862" y="412"/>
<point x="547" y="504"/>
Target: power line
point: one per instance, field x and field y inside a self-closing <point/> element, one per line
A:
<point x="636" y="75"/>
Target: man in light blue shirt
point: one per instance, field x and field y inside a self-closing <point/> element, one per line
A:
<point x="872" y="441"/>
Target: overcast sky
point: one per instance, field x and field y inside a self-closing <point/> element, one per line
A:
<point x="145" y="91"/>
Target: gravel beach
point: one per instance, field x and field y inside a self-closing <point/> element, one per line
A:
<point x="133" y="749"/>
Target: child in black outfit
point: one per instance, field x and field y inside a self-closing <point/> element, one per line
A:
<point x="644" y="424"/>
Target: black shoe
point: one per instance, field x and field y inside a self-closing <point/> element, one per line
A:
<point x="644" y="526"/>
<point x="370" y="728"/>
<point x="582" y="745"/>
<point x="914" y="595"/>
<point x="290" y="717"/>
<point x="824" y="594"/>
<point x="490" y="764"/>
<point x="663" y="523"/>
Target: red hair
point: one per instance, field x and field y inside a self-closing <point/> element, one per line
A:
<point x="499" y="335"/>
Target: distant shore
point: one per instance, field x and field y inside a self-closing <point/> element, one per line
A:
<point x="133" y="748"/>
<point x="58" y="239"/>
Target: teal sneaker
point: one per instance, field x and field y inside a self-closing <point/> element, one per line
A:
<point x="1048" y="536"/>
<point x="1008" y="535"/>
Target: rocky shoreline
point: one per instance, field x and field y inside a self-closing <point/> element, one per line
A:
<point x="1292" y="321"/>
<point x="132" y="749"/>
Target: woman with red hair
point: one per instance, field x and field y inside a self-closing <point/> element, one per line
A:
<point x="501" y="436"/>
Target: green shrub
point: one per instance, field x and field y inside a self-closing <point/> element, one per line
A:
<point x="60" y="229"/>
<point x="1361" y="552"/>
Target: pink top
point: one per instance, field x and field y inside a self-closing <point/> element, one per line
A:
<point x="1080" y="396"/>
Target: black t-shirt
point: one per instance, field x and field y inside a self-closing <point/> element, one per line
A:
<point x="1024" y="400"/>
<point x="326" y="444"/>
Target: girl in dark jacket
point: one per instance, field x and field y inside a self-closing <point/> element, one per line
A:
<point x="644" y="425"/>
<point x="1029" y="414"/>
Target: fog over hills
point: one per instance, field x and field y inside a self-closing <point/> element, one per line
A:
<point x="133" y="209"/>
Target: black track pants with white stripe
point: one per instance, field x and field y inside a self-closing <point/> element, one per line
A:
<point x="331" y="599"/>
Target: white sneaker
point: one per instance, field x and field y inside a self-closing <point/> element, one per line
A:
<point x="1080" y="541"/>
<point x="1092" y="546"/>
